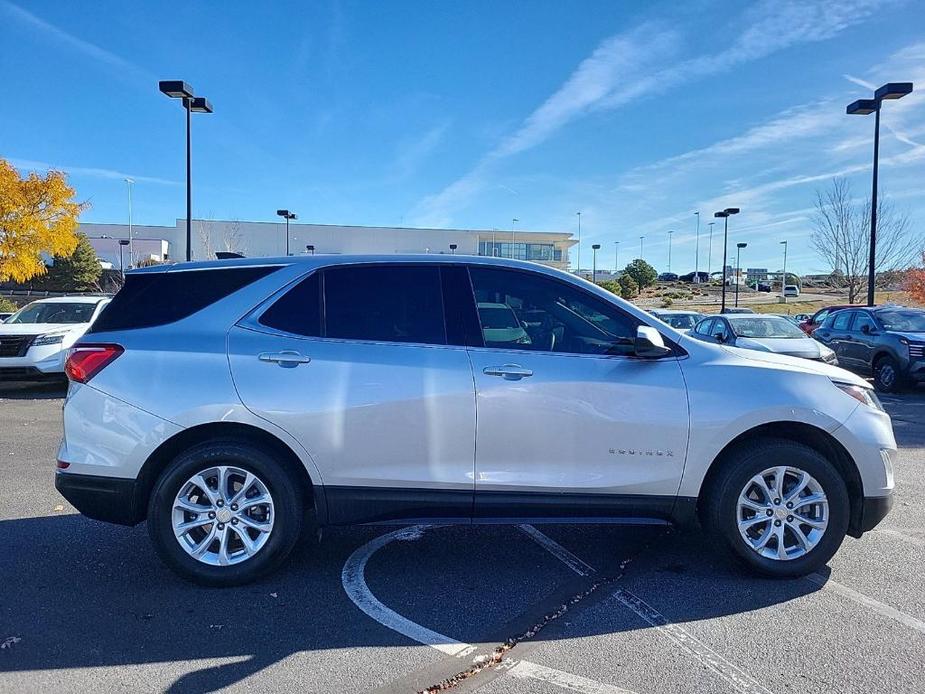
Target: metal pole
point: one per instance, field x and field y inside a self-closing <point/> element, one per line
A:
<point x="513" y="221"/>
<point x="131" y="245"/>
<point x="872" y="258"/>
<point x="187" y="103"/>
<point x="738" y="271"/>
<point x="579" y="244"/>
<point x="287" y="235"/>
<point x="697" y="251"/>
<point x="722" y="308"/>
<point x="121" y="263"/>
<point x="783" y="279"/>
<point x="640" y="246"/>
<point x="594" y="265"/>
<point x="669" y="250"/>
<point x="616" y="257"/>
<point x="710" y="252"/>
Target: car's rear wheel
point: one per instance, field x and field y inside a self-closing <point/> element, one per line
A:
<point x="780" y="506"/>
<point x="887" y="375"/>
<point x="224" y="513"/>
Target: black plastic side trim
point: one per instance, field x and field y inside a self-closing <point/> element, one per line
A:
<point x="874" y="510"/>
<point x="542" y="504"/>
<point x="110" y="499"/>
<point x="349" y="505"/>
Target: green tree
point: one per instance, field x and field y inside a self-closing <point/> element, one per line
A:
<point x="7" y="305"/>
<point x="78" y="272"/>
<point x="628" y="286"/>
<point x="642" y="273"/>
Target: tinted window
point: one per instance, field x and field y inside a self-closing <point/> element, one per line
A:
<point x="462" y="321"/>
<point x="705" y="326"/>
<point x="820" y="316"/>
<point x="903" y="320"/>
<point x="298" y="310"/>
<point x="719" y="326"/>
<point x="841" y="319"/>
<point x="384" y="303"/>
<point x="521" y="310"/>
<point x="157" y="298"/>
<point x="860" y="320"/>
<point x="54" y="312"/>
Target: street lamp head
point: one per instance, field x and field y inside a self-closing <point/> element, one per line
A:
<point x="200" y="105"/>
<point x="741" y="245"/>
<point x="123" y="242"/>
<point x="595" y="246"/>
<point x="784" y="242"/>
<point x="176" y="89"/>
<point x="453" y="246"/>
<point x="720" y="214"/>
<point x="285" y="213"/>
<point x="861" y="107"/>
<point x="731" y="210"/>
<point x="893" y="90"/>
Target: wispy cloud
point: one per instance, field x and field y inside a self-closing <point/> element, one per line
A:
<point x="123" y="67"/>
<point x="861" y="83"/>
<point x="633" y="65"/>
<point x="412" y="153"/>
<point x="29" y="165"/>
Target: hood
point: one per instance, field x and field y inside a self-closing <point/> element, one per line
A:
<point x="795" y="347"/>
<point x="40" y="328"/>
<point x="912" y="337"/>
<point x="782" y="361"/>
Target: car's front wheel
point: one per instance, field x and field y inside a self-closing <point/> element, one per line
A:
<point x="224" y="513"/>
<point x="887" y="376"/>
<point x="780" y="506"/>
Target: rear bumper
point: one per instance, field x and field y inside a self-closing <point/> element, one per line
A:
<point x="26" y="373"/>
<point x="110" y="499"/>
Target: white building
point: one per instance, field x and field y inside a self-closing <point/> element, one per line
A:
<point x="256" y="239"/>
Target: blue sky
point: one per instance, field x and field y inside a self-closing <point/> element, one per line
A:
<point x="469" y="114"/>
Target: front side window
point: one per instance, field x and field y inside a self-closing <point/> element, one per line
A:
<point x="860" y="320"/>
<point x="841" y="319"/>
<point x="54" y="312"/>
<point x="384" y="303"/>
<point x="704" y="326"/>
<point x="521" y="310"/>
<point x="720" y="331"/>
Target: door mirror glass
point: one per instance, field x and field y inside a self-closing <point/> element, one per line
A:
<point x="720" y="336"/>
<point x="865" y="329"/>
<point x="649" y="343"/>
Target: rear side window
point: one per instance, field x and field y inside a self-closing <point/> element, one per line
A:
<point x="158" y="298"/>
<point x="384" y="303"/>
<point x="298" y="310"/>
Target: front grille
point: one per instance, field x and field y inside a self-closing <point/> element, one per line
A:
<point x="15" y="345"/>
<point x="916" y="350"/>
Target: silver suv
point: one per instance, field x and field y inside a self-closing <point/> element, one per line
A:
<point x="233" y="403"/>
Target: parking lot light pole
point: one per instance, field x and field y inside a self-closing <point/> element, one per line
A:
<point x="616" y="257"/>
<point x="310" y="248"/>
<point x="697" y="251"/>
<point x="453" y="248"/>
<point x="724" y="215"/>
<point x="641" y="239"/>
<point x="131" y="246"/>
<point x="864" y="107"/>
<point x="578" y="263"/>
<point x="710" y="251"/>
<point x="783" y="277"/>
<point x="122" y="244"/>
<point x="594" y="249"/>
<point x="669" y="251"/>
<point x="178" y="89"/>
<point x="739" y="247"/>
<point x="513" y="222"/>
<point x="287" y="215"/>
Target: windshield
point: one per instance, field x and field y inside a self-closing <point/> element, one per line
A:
<point x="764" y="326"/>
<point x="495" y="317"/>
<point x="903" y="321"/>
<point x="53" y="312"/>
<point x="681" y="321"/>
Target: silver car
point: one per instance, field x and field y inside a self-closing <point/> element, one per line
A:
<point x="765" y="333"/>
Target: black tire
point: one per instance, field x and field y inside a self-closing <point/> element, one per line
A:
<point x="751" y="459"/>
<point x="284" y="488"/>
<point x="887" y="376"/>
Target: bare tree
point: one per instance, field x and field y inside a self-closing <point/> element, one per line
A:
<point x="205" y="238"/>
<point x="233" y="238"/>
<point x="841" y="235"/>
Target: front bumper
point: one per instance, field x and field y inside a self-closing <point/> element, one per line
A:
<point x="872" y="511"/>
<point x="110" y="499"/>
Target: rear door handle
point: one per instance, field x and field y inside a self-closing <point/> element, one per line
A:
<point x="286" y="358"/>
<point x="510" y="372"/>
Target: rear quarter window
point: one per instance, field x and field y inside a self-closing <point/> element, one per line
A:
<point x="151" y="299"/>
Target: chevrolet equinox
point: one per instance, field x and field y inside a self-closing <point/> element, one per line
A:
<point x="233" y="403"/>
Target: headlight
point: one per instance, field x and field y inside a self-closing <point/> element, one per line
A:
<point x="827" y="355"/>
<point x="865" y="396"/>
<point x="51" y="339"/>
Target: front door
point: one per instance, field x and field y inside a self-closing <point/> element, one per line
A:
<point x="354" y="363"/>
<point x="570" y="423"/>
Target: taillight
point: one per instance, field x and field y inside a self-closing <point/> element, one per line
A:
<point x="85" y="361"/>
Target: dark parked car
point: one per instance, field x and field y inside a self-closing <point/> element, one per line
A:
<point x="885" y="341"/>
<point x="667" y="277"/>
<point x="809" y="325"/>
<point x="689" y="277"/>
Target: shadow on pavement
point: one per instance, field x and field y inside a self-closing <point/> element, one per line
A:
<point x="82" y="594"/>
<point x="50" y="389"/>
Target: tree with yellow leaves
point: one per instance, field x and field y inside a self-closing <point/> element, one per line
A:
<point x="38" y="214"/>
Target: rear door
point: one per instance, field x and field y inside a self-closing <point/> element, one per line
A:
<point x="859" y="345"/>
<point x="569" y="422"/>
<point x="835" y="334"/>
<point x="353" y="361"/>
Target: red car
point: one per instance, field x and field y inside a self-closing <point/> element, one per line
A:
<point x="808" y="326"/>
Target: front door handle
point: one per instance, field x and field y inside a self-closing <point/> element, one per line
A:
<point x="510" y="372"/>
<point x="285" y="358"/>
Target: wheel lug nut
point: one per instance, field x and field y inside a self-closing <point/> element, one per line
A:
<point x="211" y="514"/>
<point x="221" y="526"/>
<point x="776" y="524"/>
<point x="220" y="503"/>
<point x="777" y="502"/>
<point x="234" y="507"/>
<point x="789" y="504"/>
<point x="770" y="512"/>
<point x="234" y="521"/>
<point x="789" y="519"/>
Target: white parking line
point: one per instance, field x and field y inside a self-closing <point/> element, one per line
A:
<point x="558" y="551"/>
<point x="354" y="581"/>
<point x="740" y="680"/>
<point x="861" y="599"/>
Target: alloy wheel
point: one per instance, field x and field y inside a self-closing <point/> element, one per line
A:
<point x="782" y="513"/>
<point x="223" y="515"/>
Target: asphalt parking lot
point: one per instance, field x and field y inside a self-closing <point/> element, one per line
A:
<point x="85" y="606"/>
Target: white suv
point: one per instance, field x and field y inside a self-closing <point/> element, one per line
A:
<point x="230" y="403"/>
<point x="34" y="340"/>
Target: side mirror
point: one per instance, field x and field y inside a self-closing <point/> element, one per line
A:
<point x="649" y="343"/>
<point x="866" y="329"/>
<point x="720" y="337"/>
